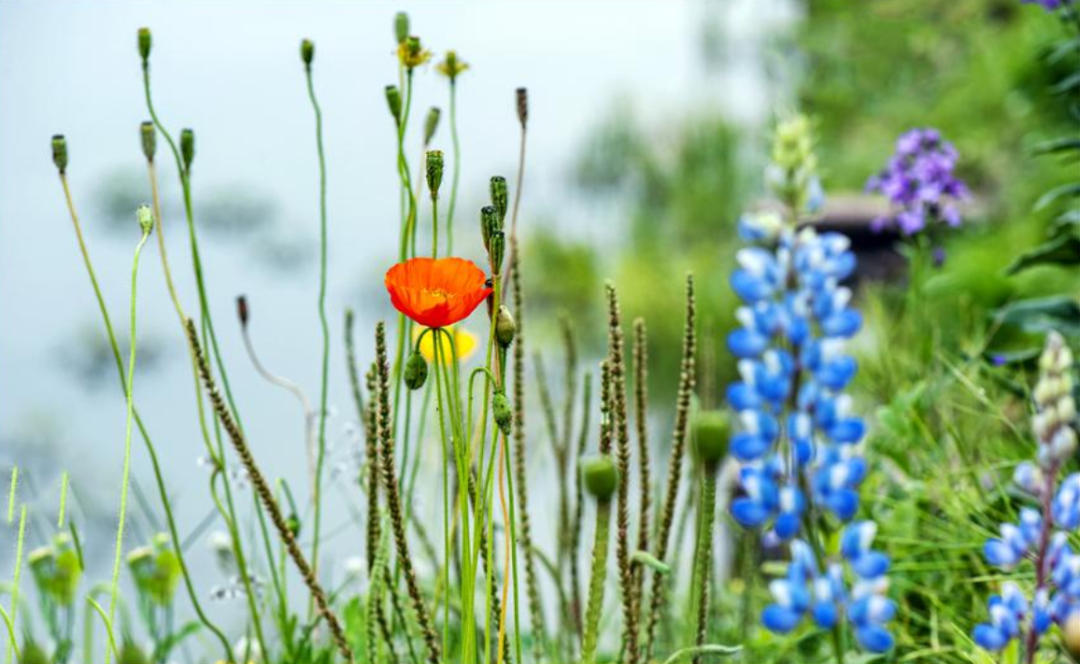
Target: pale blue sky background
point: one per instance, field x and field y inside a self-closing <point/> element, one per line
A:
<point x="232" y="72"/>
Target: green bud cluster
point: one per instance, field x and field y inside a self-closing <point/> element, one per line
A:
<point x="187" y="147"/>
<point x="148" y="136"/>
<point x="56" y="569"/>
<point x="307" y="52"/>
<point x="393" y="102"/>
<point x="434" y="171"/>
<point x="156" y="570"/>
<point x="145" y="42"/>
<point x="60" y="153"/>
<point x="504" y="416"/>
<point x="416" y="369"/>
<point x="146" y="219"/>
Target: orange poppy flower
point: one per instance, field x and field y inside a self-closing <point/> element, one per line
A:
<point x="436" y="292"/>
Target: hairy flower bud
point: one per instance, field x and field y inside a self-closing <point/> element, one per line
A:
<point x="401" y="27"/>
<point x="60" y="153"/>
<point x="711" y="433"/>
<point x="187" y="147"/>
<point x="416" y="370"/>
<point x="242" y="311"/>
<point x="489" y="223"/>
<point x="431" y="123"/>
<point x="145" y="42"/>
<point x="497" y="250"/>
<point x="499" y="197"/>
<point x="393" y="101"/>
<point x="1054" y="403"/>
<point x="601" y="476"/>
<point x="522" y="95"/>
<point x="434" y="171"/>
<point x="148" y="135"/>
<point x="505" y="327"/>
<point x="500" y="409"/>
<point x="307" y="52"/>
<point x="146" y="218"/>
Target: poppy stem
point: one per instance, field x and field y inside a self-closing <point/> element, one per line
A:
<point x="457" y="168"/>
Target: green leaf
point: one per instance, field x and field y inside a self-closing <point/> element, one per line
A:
<point x="1061" y="250"/>
<point x="1040" y="315"/>
<point x="1063" y="144"/>
<point x="1071" y="189"/>
<point x="1070" y="82"/>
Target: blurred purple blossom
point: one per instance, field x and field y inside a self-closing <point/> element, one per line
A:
<point x="918" y="180"/>
<point x="1048" y="5"/>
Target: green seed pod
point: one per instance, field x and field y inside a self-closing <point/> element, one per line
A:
<point x="497" y="250"/>
<point x="32" y="653"/>
<point x="434" y="171"/>
<point x="489" y="223"/>
<point x="523" y="106"/>
<point x="431" y="123"/>
<point x="393" y="101"/>
<point x="148" y="134"/>
<point x="712" y="430"/>
<point x="601" y="476"/>
<point x="146" y="218"/>
<point x="187" y="147"/>
<point x="131" y="654"/>
<point x="499" y="197"/>
<point x="307" y="52"/>
<point x="505" y="327"/>
<point x="145" y="41"/>
<point x="416" y="370"/>
<point x="293" y="524"/>
<point x="60" y="153"/>
<point x="401" y="27"/>
<point x="504" y="416"/>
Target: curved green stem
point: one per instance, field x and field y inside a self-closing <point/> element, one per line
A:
<point x="125" y="477"/>
<point x="323" y="324"/>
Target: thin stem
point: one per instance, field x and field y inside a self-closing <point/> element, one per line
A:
<point x="703" y="568"/>
<point x="457" y="168"/>
<point x="324" y="383"/>
<point x="125" y="477"/>
<point x="15" y="582"/>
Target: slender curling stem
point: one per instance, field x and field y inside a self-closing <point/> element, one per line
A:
<point x="457" y="168"/>
<point x="596" y="581"/>
<point x="267" y="497"/>
<point x="158" y="476"/>
<point x="324" y="382"/>
<point x="125" y="476"/>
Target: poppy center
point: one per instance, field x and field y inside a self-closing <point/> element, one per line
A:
<point x="437" y="294"/>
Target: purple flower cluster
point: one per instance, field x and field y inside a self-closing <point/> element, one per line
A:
<point x="1048" y="5"/>
<point x="919" y="183"/>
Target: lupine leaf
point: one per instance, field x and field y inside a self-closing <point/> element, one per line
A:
<point x="1071" y="189"/>
<point x="1040" y="315"/>
<point x="1061" y="250"/>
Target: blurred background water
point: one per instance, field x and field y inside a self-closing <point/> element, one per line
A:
<point x="232" y="73"/>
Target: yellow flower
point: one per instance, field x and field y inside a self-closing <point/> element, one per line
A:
<point x="465" y="344"/>
<point x="411" y="54"/>
<point x="450" y="67"/>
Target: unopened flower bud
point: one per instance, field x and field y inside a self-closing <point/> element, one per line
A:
<point x="497" y="250"/>
<point x="146" y="218"/>
<point x="523" y="106"/>
<point x="242" y="311"/>
<point x="434" y="171"/>
<point x="187" y="147"/>
<point x="149" y="139"/>
<point x="711" y="434"/>
<point x="416" y="370"/>
<point x="401" y="27"/>
<point x="505" y="327"/>
<point x="431" y="123"/>
<point x="489" y="223"/>
<point x="59" y="153"/>
<point x="307" y="52"/>
<point x="393" y="101"/>
<point x="145" y="41"/>
<point x="601" y="476"/>
<point x="500" y="409"/>
<point x="499" y="196"/>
